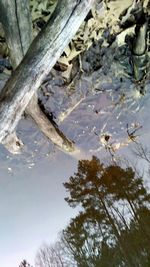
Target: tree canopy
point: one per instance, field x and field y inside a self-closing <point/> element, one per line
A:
<point x="112" y="226"/>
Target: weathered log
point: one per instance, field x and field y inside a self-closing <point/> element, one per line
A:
<point x="37" y="63"/>
<point x="16" y="19"/>
<point x="51" y="132"/>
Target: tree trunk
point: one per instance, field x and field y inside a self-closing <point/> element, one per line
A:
<point x="40" y="58"/>
<point x="16" y="20"/>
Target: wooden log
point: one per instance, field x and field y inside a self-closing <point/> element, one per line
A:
<point x="16" y="19"/>
<point x="37" y="63"/>
<point x="49" y="130"/>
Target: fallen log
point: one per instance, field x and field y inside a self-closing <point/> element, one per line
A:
<point x="37" y="63"/>
<point x="16" y="20"/>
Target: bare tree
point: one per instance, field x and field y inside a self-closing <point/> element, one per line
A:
<point x="55" y="255"/>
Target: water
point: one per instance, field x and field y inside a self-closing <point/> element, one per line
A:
<point x="32" y="208"/>
<point x="106" y="117"/>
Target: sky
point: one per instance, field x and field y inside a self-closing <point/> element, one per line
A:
<point x="32" y="206"/>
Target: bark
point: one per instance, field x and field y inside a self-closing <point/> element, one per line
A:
<point x="38" y="61"/>
<point x="51" y="132"/>
<point x="16" y="20"/>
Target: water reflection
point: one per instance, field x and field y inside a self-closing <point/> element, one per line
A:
<point x="32" y="209"/>
<point x="112" y="227"/>
<point x="105" y="111"/>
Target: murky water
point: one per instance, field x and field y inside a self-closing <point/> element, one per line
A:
<point x="106" y="117"/>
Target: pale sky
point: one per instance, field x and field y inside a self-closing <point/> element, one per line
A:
<point x="32" y="206"/>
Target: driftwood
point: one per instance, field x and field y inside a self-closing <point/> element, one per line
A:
<point x="38" y="61"/>
<point x="16" y="20"/>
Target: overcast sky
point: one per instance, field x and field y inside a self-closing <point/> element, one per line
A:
<point x="32" y="206"/>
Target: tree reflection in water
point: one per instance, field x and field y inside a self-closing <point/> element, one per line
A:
<point x="113" y="225"/>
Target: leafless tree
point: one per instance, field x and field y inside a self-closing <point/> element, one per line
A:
<point x="55" y="255"/>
